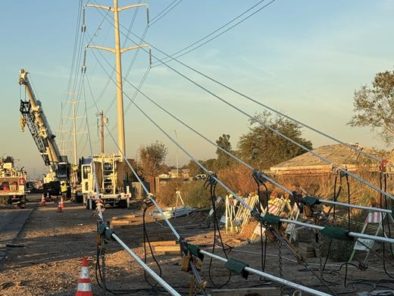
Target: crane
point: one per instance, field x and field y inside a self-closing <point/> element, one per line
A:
<point x="33" y="116"/>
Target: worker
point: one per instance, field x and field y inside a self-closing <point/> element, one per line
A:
<point x="63" y="188"/>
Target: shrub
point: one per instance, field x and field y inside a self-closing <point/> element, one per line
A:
<point x="195" y="194"/>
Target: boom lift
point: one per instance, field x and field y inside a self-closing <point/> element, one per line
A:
<point x="33" y="116"/>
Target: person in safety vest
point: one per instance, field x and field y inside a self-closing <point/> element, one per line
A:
<point x="63" y="188"/>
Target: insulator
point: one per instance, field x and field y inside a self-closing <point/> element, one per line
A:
<point x="83" y="28"/>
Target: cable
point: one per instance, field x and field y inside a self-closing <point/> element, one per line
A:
<point x="358" y="178"/>
<point x="164" y="12"/>
<point x="191" y="46"/>
<point x="146" y="240"/>
<point x="352" y="234"/>
<point x="211" y="184"/>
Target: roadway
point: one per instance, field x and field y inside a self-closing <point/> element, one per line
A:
<point x="12" y="221"/>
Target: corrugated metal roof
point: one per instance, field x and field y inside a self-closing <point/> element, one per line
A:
<point x="338" y="154"/>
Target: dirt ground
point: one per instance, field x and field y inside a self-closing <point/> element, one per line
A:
<point x="45" y="259"/>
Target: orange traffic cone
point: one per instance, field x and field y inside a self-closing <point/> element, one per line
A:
<point x="60" y="205"/>
<point x="84" y="283"/>
<point x="43" y="201"/>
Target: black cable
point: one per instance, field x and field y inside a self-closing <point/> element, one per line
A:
<point x="300" y="259"/>
<point x="211" y="184"/>
<point x="263" y="242"/>
<point x="383" y="184"/>
<point x="146" y="240"/>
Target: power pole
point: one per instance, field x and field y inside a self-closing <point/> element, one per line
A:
<point x="118" y="50"/>
<point x="102" y="121"/>
<point x="73" y="102"/>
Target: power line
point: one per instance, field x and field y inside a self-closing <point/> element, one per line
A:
<point x="191" y="47"/>
<point x="217" y="180"/>
<point x="165" y="11"/>
<point x="277" y="132"/>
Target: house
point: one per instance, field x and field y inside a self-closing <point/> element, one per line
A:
<point x="316" y="173"/>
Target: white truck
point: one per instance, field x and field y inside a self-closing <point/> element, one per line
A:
<point x="112" y="177"/>
<point x="12" y="185"/>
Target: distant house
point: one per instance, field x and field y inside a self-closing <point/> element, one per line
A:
<point x="311" y="174"/>
<point x="172" y="176"/>
<point x="338" y="155"/>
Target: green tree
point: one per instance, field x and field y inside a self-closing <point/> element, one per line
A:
<point x="374" y="107"/>
<point x="263" y="148"/>
<point x="194" y="168"/>
<point x="152" y="159"/>
<point x="223" y="159"/>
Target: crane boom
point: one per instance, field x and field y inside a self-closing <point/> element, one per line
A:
<point x="33" y="116"/>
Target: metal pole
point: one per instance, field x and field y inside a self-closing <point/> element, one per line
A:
<point x="73" y="102"/>
<point x="101" y="114"/>
<point x="352" y="234"/>
<point x="156" y="277"/>
<point x="119" y="83"/>
<point x="329" y="202"/>
<point x="271" y="277"/>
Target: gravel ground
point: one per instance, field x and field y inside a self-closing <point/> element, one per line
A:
<point x="51" y="244"/>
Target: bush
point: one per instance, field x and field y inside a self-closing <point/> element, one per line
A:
<point x="166" y="197"/>
<point x="196" y="195"/>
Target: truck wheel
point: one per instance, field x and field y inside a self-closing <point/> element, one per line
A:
<point x="90" y="204"/>
<point x="78" y="198"/>
<point x="123" y="204"/>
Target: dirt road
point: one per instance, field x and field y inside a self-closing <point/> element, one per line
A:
<point x="51" y="244"/>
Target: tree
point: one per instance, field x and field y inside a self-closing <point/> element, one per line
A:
<point x="223" y="159"/>
<point x="152" y="159"/>
<point x="374" y="107"/>
<point x="263" y="148"/>
<point x="194" y="168"/>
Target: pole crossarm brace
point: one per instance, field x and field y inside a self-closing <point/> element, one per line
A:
<point x="109" y="234"/>
<point x="271" y="277"/>
<point x="104" y="7"/>
<point x="110" y="49"/>
<point x="372" y="209"/>
<point x="248" y="269"/>
<point x="351" y="234"/>
<point x="134" y="47"/>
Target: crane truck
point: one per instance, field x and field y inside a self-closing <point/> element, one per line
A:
<point x="33" y="116"/>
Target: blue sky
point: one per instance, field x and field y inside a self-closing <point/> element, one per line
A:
<point x="304" y="58"/>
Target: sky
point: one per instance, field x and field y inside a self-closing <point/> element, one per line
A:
<point x="302" y="57"/>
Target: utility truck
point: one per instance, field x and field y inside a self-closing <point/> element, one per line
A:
<point x="12" y="184"/>
<point x="107" y="177"/>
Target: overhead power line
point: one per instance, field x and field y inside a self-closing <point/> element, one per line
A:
<point x="204" y="40"/>
<point x="277" y="132"/>
<point x="217" y="180"/>
<point x="164" y="12"/>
